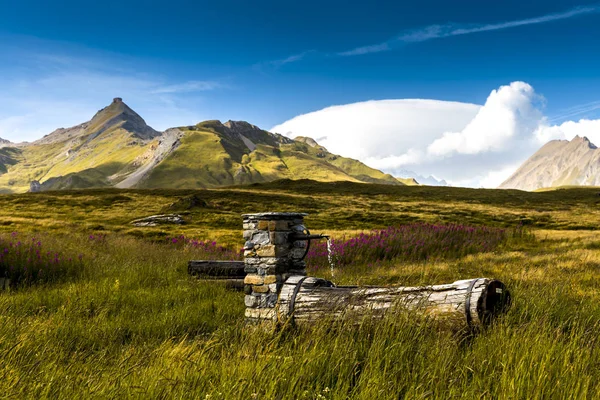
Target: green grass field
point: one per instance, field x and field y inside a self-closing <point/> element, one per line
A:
<point x="128" y="322"/>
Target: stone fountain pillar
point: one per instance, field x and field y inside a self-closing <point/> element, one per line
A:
<point x="270" y="258"/>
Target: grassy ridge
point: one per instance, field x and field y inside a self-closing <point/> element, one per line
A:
<point x="209" y="157"/>
<point x="131" y="323"/>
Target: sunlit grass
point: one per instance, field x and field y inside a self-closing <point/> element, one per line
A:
<point x="131" y="322"/>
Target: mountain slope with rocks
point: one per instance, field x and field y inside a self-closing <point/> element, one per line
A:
<point x="97" y="153"/>
<point x="558" y="163"/>
<point x="116" y="148"/>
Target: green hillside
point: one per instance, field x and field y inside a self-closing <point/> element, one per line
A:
<point x="117" y="149"/>
<point x="84" y="156"/>
<point x="212" y="154"/>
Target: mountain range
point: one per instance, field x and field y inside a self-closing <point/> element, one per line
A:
<point x="116" y="148"/>
<point x="558" y="163"/>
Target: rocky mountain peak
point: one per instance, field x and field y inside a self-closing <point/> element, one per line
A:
<point x="558" y="163"/>
<point x="241" y="126"/>
<point x="247" y="132"/>
<point x="311" y="142"/>
<point x="120" y="114"/>
<point x="583" y="141"/>
<point x="308" y="140"/>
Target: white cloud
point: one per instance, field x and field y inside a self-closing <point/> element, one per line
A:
<point x="509" y="113"/>
<point x="380" y="129"/>
<point x="374" y="48"/>
<point x="411" y="157"/>
<point x="568" y="130"/>
<point x="276" y="64"/>
<point x="465" y="144"/>
<point x="190" y="86"/>
<point x="577" y="110"/>
<point x="489" y="179"/>
<point x="447" y="30"/>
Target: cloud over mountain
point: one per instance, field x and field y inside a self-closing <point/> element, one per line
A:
<point x="394" y="130"/>
<point x="509" y="114"/>
<point x="466" y="144"/>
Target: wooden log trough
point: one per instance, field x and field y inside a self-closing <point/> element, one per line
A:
<point x="471" y="303"/>
<point x="231" y="273"/>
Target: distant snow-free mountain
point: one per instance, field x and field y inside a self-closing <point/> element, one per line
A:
<point x="558" y="163"/>
<point x="423" y="180"/>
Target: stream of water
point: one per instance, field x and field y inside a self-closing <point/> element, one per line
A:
<point x="330" y="255"/>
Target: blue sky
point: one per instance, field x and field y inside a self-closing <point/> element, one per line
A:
<point x="180" y="62"/>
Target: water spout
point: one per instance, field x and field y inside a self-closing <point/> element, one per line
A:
<point x="330" y="254"/>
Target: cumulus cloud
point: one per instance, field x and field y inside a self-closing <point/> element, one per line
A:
<point x="465" y="144"/>
<point x="509" y="114"/>
<point x="380" y="129"/>
<point x="568" y="130"/>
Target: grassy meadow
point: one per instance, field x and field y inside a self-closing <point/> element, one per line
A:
<point x="107" y="310"/>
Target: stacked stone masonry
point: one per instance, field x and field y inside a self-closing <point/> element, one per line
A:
<point x="270" y="258"/>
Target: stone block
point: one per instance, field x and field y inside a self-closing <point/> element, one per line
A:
<point x="249" y="225"/>
<point x="262" y="271"/>
<point x="262" y="225"/>
<point x="249" y="253"/>
<point x="266" y="251"/>
<point x="253" y="279"/>
<point x="252" y="301"/>
<point x="279" y="225"/>
<point x="268" y="300"/>
<point x="268" y="279"/>
<point x="247" y="289"/>
<point x="278" y="238"/>
<point x="248" y="234"/>
<point x="271" y="300"/>
<point x="269" y="261"/>
<point x="274" y="287"/>
<point x="261" y="237"/>
<point x="259" y="314"/>
<point x="260" y="288"/>
<point x="249" y="269"/>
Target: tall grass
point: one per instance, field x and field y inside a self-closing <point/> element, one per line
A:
<point x="407" y="243"/>
<point x="25" y="259"/>
<point x="128" y="322"/>
<point x="204" y="249"/>
<point x="131" y="323"/>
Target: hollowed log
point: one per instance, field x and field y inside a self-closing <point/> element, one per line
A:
<point x="231" y="273"/>
<point x="217" y="269"/>
<point x="472" y="303"/>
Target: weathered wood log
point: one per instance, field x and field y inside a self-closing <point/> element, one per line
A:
<point x="472" y="303"/>
<point x="217" y="269"/>
<point x="231" y="273"/>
